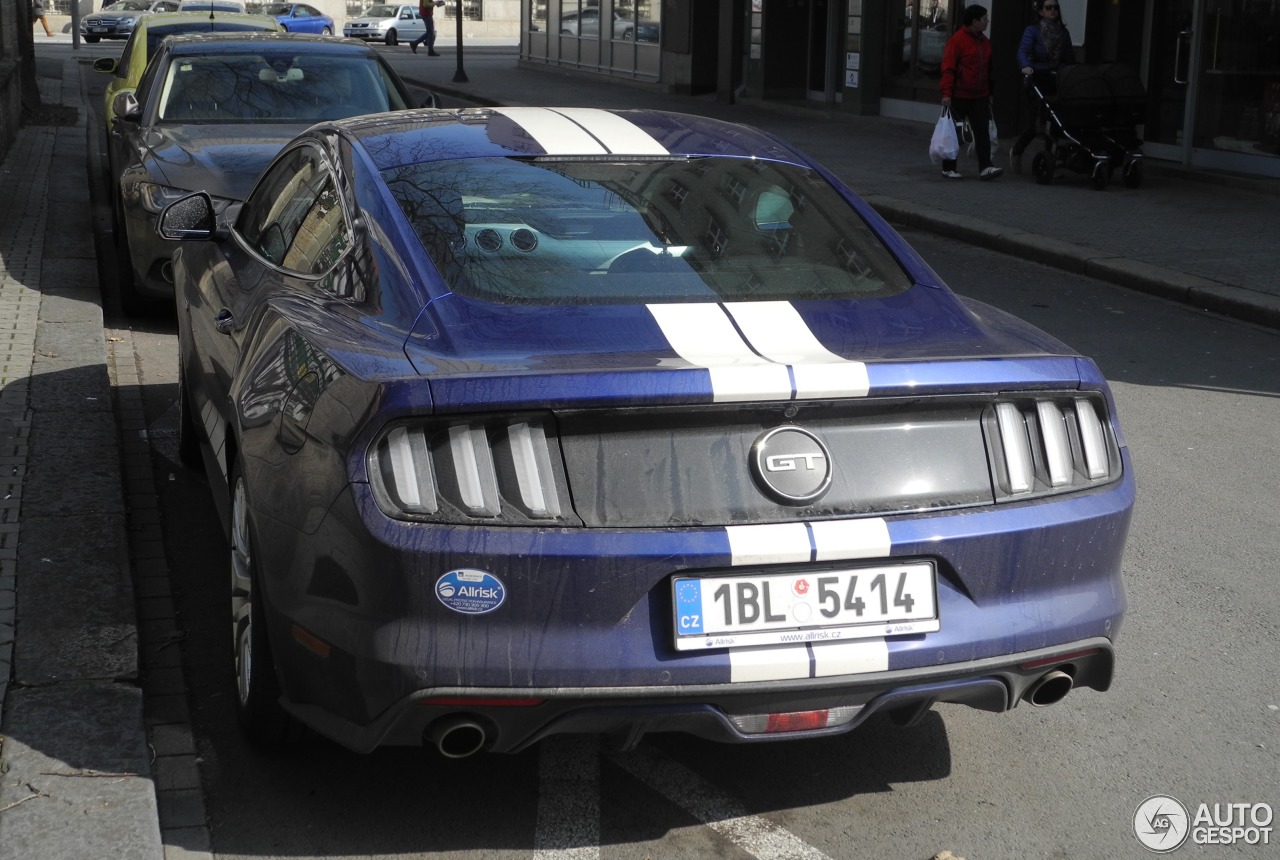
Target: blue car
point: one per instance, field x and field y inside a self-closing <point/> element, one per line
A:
<point x="527" y="421"/>
<point x="299" y="18"/>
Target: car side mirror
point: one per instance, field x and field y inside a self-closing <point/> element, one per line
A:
<point x="126" y="106"/>
<point x="107" y="65"/>
<point x="432" y="101"/>
<point x="189" y="219"/>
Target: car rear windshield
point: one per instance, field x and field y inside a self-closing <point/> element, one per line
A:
<point x="552" y="231"/>
<point x="156" y="35"/>
<point x="276" y="86"/>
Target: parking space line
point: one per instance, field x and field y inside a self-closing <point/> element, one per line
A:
<point x="568" y="825"/>
<point x="722" y="813"/>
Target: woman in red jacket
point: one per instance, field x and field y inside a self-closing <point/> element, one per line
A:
<point x="966" y="87"/>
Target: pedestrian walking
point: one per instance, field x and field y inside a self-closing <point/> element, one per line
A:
<point x="37" y="15"/>
<point x="1045" y="45"/>
<point x="966" y="87"/>
<point x="426" y="8"/>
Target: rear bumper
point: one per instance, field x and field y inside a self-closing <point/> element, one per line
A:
<point x="627" y="715"/>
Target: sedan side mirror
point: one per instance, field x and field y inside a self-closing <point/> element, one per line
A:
<point x="189" y="219"/>
<point x="126" y="106"/>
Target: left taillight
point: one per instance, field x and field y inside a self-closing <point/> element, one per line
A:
<point x="496" y="469"/>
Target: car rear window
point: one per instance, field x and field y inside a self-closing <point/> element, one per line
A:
<point x="586" y="231"/>
<point x="156" y="35"/>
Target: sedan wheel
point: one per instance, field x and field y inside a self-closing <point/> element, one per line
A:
<point x="326" y="32"/>
<point x="261" y="718"/>
<point x="391" y="38"/>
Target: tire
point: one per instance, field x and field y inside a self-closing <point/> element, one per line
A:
<point x="188" y="438"/>
<point x="391" y="39"/>
<point x="132" y="302"/>
<point x="262" y="720"/>
<point x="1132" y="174"/>
<point x="1042" y="168"/>
<point x="326" y="32"/>
<point x="1101" y="175"/>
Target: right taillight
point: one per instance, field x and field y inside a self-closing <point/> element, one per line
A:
<point x="1049" y="444"/>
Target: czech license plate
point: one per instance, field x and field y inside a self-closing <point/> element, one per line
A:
<point x="806" y="606"/>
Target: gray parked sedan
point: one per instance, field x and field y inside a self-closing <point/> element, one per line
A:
<point x="210" y="112"/>
<point x="117" y="20"/>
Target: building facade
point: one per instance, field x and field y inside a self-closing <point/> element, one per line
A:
<point x="1211" y="67"/>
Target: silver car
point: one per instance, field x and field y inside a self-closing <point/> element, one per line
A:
<point x="387" y="23"/>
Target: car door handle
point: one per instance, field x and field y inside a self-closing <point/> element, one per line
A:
<point x="224" y="321"/>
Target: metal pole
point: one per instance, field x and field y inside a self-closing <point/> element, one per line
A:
<point x="459" y="76"/>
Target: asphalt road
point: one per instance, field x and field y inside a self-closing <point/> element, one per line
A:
<point x="1194" y="712"/>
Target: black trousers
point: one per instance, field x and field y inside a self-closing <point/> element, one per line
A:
<point x="978" y="113"/>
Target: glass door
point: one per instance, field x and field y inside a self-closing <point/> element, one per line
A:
<point x="1214" y="84"/>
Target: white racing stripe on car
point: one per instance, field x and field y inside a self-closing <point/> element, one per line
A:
<point x="554" y="132"/>
<point x="724" y="814"/>
<point x="791" y="543"/>
<point x="772" y="543"/>
<point x="838" y="539"/>
<point x="850" y="658"/>
<point x="769" y="664"/>
<point x="778" y="332"/>
<point x="618" y="135"/>
<point x="703" y="335"/>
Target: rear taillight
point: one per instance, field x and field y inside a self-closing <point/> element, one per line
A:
<point x="469" y="470"/>
<point x="1050" y="444"/>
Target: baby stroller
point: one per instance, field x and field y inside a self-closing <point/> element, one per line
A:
<point x="1089" y="125"/>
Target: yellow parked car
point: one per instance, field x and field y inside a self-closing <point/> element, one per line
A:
<point x="151" y="30"/>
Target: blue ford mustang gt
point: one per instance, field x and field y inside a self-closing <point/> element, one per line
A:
<point x="531" y="421"/>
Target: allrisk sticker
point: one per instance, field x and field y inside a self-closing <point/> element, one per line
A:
<point x="471" y="592"/>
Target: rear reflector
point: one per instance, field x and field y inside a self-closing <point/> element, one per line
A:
<point x="795" y="721"/>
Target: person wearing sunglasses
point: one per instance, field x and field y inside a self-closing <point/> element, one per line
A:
<point x="1045" y="45"/>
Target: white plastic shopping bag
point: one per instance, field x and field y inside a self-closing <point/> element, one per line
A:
<point x="945" y="146"/>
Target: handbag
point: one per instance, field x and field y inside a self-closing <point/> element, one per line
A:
<point x="944" y="146"/>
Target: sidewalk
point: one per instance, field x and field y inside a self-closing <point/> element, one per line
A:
<point x="77" y="778"/>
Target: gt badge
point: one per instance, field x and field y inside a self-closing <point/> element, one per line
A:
<point x="791" y="465"/>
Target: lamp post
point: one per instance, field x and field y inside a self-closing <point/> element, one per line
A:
<point x="460" y="75"/>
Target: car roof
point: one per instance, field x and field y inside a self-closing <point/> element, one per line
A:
<point x="213" y="43"/>
<point x="436" y="134"/>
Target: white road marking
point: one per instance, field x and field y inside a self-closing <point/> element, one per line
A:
<point x="758" y="836"/>
<point x="568" y="799"/>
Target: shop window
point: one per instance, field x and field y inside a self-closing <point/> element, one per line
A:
<point x="916" y="39"/>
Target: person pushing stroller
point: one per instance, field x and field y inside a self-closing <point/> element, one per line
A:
<point x="1045" y="45"/>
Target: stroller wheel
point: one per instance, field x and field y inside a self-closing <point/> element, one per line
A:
<point x="1042" y="168"/>
<point x="1133" y="174"/>
<point x="1101" y="175"/>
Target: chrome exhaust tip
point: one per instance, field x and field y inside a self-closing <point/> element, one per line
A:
<point x="1049" y="689"/>
<point x="456" y="737"/>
